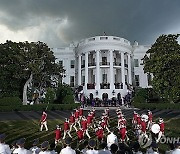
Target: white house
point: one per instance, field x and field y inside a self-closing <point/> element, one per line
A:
<point x="106" y="66"/>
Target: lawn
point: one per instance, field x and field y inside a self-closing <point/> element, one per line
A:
<point x="29" y="129"/>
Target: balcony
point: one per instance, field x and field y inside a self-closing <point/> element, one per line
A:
<point x="104" y="63"/>
<point x="90" y="86"/>
<point x="82" y="66"/>
<point x="105" y="85"/>
<point x="125" y="65"/>
<point x="92" y="64"/>
<point x="116" y="63"/>
<point x="118" y="85"/>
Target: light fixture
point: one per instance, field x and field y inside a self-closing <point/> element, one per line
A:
<point x="96" y="92"/>
<point x="113" y="92"/>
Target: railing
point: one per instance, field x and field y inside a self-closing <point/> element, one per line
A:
<point x="104" y="63"/>
<point x="90" y="86"/>
<point x="105" y="85"/>
<point x="126" y="65"/>
<point x="116" y="63"/>
<point x="91" y="64"/>
<point x="118" y="85"/>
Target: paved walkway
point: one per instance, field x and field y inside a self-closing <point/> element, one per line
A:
<point x="128" y="112"/>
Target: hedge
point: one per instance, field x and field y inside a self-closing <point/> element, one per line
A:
<point x="157" y="106"/>
<point x="38" y="107"/>
<point x="10" y="101"/>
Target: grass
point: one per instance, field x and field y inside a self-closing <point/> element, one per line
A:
<point x="30" y="130"/>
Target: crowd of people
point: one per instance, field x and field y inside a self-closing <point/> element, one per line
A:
<point x="96" y="135"/>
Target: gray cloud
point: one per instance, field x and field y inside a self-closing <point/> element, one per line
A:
<point x="141" y="20"/>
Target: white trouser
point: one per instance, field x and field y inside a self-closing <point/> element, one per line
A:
<point x="44" y="124"/>
<point x="67" y="132"/>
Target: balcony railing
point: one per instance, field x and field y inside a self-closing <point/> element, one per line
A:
<point x="91" y="64"/>
<point x="116" y="63"/>
<point x="90" y="86"/>
<point x="105" y="85"/>
<point x="126" y="65"/>
<point x="118" y="85"/>
<point x="82" y="66"/>
<point x="104" y="63"/>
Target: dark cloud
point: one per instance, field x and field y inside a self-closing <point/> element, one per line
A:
<point x="141" y="20"/>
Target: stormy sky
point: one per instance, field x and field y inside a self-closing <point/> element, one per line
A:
<point x="60" y="22"/>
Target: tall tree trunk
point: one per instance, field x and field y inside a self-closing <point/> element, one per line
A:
<point x="25" y="89"/>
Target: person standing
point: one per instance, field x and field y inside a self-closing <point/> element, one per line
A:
<point x="68" y="149"/>
<point x="21" y="150"/>
<point x="43" y="121"/>
<point x="4" y="148"/>
<point x="111" y="139"/>
<point x="57" y="134"/>
<point x="44" y="148"/>
<point x="35" y="149"/>
<point x="66" y="128"/>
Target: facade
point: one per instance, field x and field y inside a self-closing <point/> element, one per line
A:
<point x="106" y="66"/>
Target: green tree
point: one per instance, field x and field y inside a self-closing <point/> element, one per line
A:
<point x="23" y="63"/>
<point x="163" y="61"/>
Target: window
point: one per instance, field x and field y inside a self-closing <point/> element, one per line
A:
<point x="61" y="63"/>
<point x="136" y="62"/>
<point x="149" y="77"/>
<point x="72" y="63"/>
<point x="104" y="60"/>
<point x="104" y="78"/>
<point x="72" y="81"/>
<point x="137" y="80"/>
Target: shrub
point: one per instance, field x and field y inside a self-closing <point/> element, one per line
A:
<point x="10" y="101"/>
<point x="39" y="107"/>
<point x="68" y="99"/>
<point x="50" y="96"/>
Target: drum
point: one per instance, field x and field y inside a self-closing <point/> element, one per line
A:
<point x="155" y="128"/>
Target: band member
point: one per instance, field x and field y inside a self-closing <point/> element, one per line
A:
<point x="150" y="118"/>
<point x="103" y="124"/>
<point x="161" y="132"/>
<point x="84" y="125"/>
<point x="80" y="134"/>
<point x="81" y="111"/>
<point x="89" y="120"/>
<point x="123" y="132"/>
<point x="66" y="128"/>
<point x="72" y="122"/>
<point x="143" y="126"/>
<point x="99" y="133"/>
<point x="134" y="121"/>
<point x="77" y="120"/>
<point x="43" y="121"/>
<point x="58" y="134"/>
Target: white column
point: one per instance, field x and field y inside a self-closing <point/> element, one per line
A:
<point x="79" y="70"/>
<point x="86" y="70"/>
<point x="129" y="69"/>
<point x="111" y="71"/>
<point x="122" y="69"/>
<point x="97" y="70"/>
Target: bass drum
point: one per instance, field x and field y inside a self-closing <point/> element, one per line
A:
<point x="155" y="128"/>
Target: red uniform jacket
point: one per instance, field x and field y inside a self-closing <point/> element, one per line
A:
<point x="161" y="127"/>
<point x="43" y="117"/>
<point x="57" y="134"/>
<point x="80" y="134"/>
<point x="80" y="112"/>
<point x="150" y="116"/>
<point x="122" y="132"/>
<point x="76" y="114"/>
<point x="72" y="119"/>
<point x="100" y="133"/>
<point x="66" y="126"/>
<point x="84" y="124"/>
<point x="143" y="126"/>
